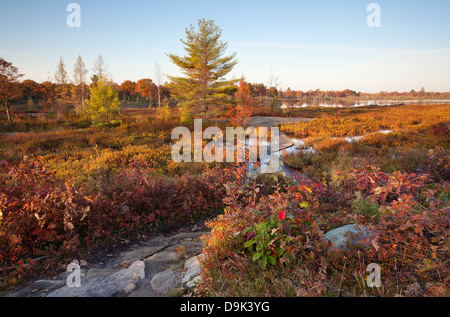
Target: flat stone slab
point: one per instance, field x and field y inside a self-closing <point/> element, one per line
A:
<point x="95" y="272"/>
<point x="140" y="253"/>
<point x="165" y="281"/>
<point x="105" y="285"/>
<point x="164" y="256"/>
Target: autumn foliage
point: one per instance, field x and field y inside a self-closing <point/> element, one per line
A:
<point x="66" y="194"/>
<point x="241" y="113"/>
<point x="44" y="216"/>
<point x="278" y="238"/>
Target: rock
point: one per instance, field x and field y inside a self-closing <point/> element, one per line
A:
<point x="414" y="290"/>
<point x="156" y="241"/>
<point x="146" y="269"/>
<point x="193" y="283"/>
<point x="94" y="272"/>
<point x="51" y="282"/>
<point x="351" y="234"/>
<point x="187" y="235"/>
<point x="190" y="247"/>
<point x="105" y="286"/>
<point x="138" y="254"/>
<point x="69" y="292"/>
<point x="164" y="281"/>
<point x="134" y="273"/>
<point x="129" y="288"/>
<point x="165" y="256"/>
<point x="193" y="268"/>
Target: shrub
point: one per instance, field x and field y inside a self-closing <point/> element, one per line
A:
<point x="164" y="114"/>
<point x="366" y="207"/>
<point x="259" y="241"/>
<point x="42" y="215"/>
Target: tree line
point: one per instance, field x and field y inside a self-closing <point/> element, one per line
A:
<point x="347" y="93"/>
<point x="202" y="87"/>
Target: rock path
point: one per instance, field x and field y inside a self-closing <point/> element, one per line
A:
<point x="159" y="267"/>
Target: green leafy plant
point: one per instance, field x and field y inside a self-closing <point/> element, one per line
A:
<point x="266" y="241"/>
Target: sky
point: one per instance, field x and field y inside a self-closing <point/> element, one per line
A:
<point x="307" y="45"/>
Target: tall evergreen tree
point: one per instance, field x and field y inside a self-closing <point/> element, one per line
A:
<point x="204" y="67"/>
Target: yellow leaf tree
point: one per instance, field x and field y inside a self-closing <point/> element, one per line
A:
<point x="104" y="101"/>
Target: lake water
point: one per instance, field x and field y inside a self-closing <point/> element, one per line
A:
<point x="362" y="103"/>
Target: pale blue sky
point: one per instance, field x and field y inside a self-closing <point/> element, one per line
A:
<point x="322" y="44"/>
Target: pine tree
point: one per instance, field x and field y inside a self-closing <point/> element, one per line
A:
<point x="204" y="68"/>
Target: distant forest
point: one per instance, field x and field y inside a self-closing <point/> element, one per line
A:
<point x="41" y="96"/>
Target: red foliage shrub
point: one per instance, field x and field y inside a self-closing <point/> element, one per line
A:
<point x="41" y="215"/>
